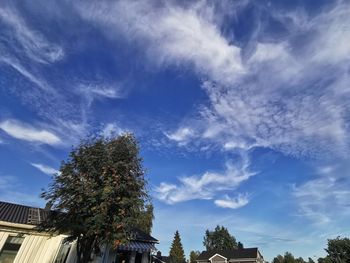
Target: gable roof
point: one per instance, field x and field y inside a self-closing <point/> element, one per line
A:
<point x="229" y="254"/>
<point x="217" y="255"/>
<point x="22" y="214"/>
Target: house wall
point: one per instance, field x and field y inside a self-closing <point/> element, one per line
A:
<point x="40" y="247"/>
<point x="218" y="259"/>
<point x="35" y="248"/>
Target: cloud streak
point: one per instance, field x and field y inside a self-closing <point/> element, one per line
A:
<point x="324" y="199"/>
<point x="45" y="168"/>
<point x="25" y="132"/>
<point x="232" y="203"/>
<point x="33" y="43"/>
<point x="207" y="186"/>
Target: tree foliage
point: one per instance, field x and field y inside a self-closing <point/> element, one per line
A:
<point x="193" y="256"/>
<point x="99" y="194"/>
<point x="177" y="254"/>
<point x="338" y="251"/>
<point x="288" y="258"/>
<point x="219" y="239"/>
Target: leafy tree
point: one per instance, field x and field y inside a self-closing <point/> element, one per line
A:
<point x="193" y="256"/>
<point x="287" y="258"/>
<point x="278" y="259"/>
<point x="99" y="194"/>
<point x="145" y="219"/>
<point x="219" y="239"/>
<point x="240" y="245"/>
<point x="338" y="251"/>
<point x="177" y="254"/>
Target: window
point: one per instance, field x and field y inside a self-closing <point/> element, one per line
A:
<point x="10" y="249"/>
<point x="62" y="253"/>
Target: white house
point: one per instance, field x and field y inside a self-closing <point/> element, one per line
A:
<point x="239" y="255"/>
<point x="20" y="242"/>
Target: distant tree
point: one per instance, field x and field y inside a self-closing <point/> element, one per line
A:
<point x="278" y="259"/>
<point x="219" y="239"/>
<point x="177" y="254"/>
<point x="310" y="260"/>
<point x="240" y="245"/>
<point x="287" y="258"/>
<point x="338" y="251"/>
<point x="193" y="256"/>
<point x="99" y="194"/>
<point x="144" y="219"/>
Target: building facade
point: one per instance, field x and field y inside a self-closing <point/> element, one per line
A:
<point x="240" y="255"/>
<point x="20" y="242"/>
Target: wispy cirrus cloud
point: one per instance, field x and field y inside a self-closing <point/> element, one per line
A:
<point x="269" y="93"/>
<point x="181" y="136"/>
<point x="45" y="168"/>
<point x="206" y="186"/>
<point x="26" y="132"/>
<point x="182" y="35"/>
<point x="232" y="203"/>
<point x="34" y="44"/>
<point x="111" y="130"/>
<point x="324" y="199"/>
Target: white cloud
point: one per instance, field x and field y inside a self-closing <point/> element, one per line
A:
<point x="29" y="133"/>
<point x="94" y="91"/>
<point x="15" y="64"/>
<point x="276" y="96"/>
<point x="112" y="129"/>
<point x="45" y="169"/>
<point x="205" y="186"/>
<point x="325" y="198"/>
<point x="33" y="43"/>
<point x="233" y="203"/>
<point x="181" y="135"/>
<point x="170" y="34"/>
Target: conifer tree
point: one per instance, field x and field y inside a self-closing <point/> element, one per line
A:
<point x="177" y="254"/>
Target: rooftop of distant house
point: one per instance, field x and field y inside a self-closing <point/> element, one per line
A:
<point x="230" y="254"/>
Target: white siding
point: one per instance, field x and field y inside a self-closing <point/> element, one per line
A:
<point x="35" y="248"/>
<point x="3" y="237"/>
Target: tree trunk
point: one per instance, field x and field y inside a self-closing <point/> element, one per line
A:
<point x="87" y="250"/>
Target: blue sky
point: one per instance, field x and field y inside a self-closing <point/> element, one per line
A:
<point x="240" y="107"/>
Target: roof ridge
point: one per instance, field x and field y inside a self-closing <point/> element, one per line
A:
<point x="27" y="206"/>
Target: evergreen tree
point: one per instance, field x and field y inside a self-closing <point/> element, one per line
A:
<point x="99" y="194"/>
<point x="193" y="256"/>
<point x="219" y="239"/>
<point x="177" y="254"/>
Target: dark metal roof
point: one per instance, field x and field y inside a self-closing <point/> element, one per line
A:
<point x="138" y="246"/>
<point x="160" y="259"/>
<point x="21" y="214"/>
<point x="230" y="254"/>
<point x="139" y="235"/>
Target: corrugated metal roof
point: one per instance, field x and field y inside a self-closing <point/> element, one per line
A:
<point x="21" y="214"/>
<point x="137" y="246"/>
